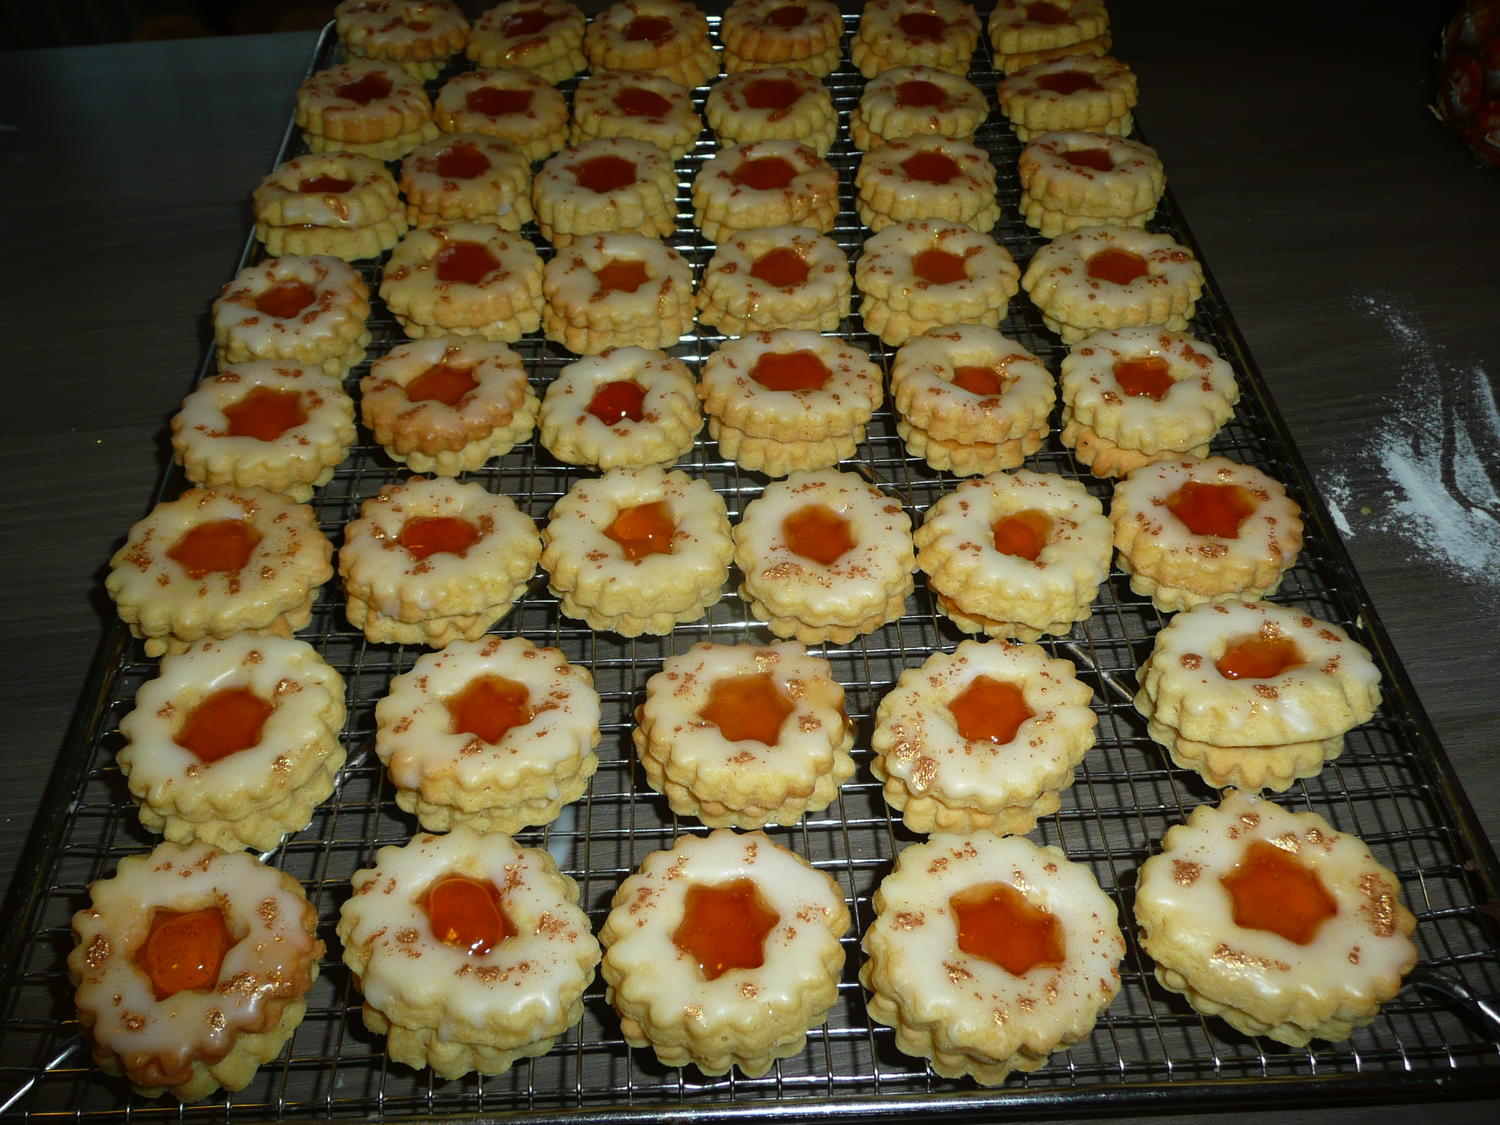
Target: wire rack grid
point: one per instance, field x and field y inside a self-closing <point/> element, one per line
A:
<point x="1391" y="787"/>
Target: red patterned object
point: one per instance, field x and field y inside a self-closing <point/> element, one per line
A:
<point x="1467" y="83"/>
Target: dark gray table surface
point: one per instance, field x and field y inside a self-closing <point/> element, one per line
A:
<point x="1357" y="244"/>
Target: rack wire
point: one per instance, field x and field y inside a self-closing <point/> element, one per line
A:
<point x="1391" y="786"/>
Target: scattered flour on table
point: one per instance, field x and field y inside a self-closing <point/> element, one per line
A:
<point x="1439" y="451"/>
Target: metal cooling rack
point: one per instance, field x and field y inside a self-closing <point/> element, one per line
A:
<point x="1392" y="787"/>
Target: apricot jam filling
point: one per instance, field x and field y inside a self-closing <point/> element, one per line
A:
<point x="724" y="927"/>
<point x="765" y="173"/>
<point x="462" y="161"/>
<point x="184" y="950"/>
<point x="781" y="267"/>
<point x="224" y="723"/>
<point x="362" y="91"/>
<point x="985" y="382"/>
<point x="1119" y="266"/>
<point x="801" y="370"/>
<point x="818" y="533"/>
<point x="621" y="275"/>
<point x="493" y="102"/>
<point x="1272" y="890"/>
<point x="998" y="923"/>
<point x="324" y="185"/>
<point x="466" y="262"/>
<point x="527" y="22"/>
<point x="1098" y="159"/>
<point x="748" y="708"/>
<point x="922" y="25"/>
<point x="466" y="914"/>
<point x="285" y="299"/>
<point x="1023" y="534"/>
<point x="940" y="267"/>
<point x="648" y="29"/>
<point x="772" y="93"/>
<point x="1146" y="377"/>
<point x="1259" y="657"/>
<point x="644" y="529"/>
<point x="218" y="546"/>
<point x="425" y="536"/>
<point x="633" y="101"/>
<point x="442" y="382"/>
<point x="1067" y="82"/>
<point x="618" y="400"/>
<point x="931" y="167"/>
<point x="265" y="414"/>
<point x="604" y="174"/>
<point x="488" y="706"/>
<point x="1212" y="509"/>
<point x="917" y="93"/>
<point x="788" y="17"/>
<point x="990" y="710"/>
<point x="1044" y="13"/>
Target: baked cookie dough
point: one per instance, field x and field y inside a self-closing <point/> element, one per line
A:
<point x="1254" y="695"/>
<point x="666" y="37"/>
<point x="764" y="184"/>
<point x="775" y="277"/>
<point x="1023" y="32"/>
<point x="218" y="561"/>
<point x="926" y="177"/>
<point x="773" y="102"/>
<point x="1088" y="92"/>
<point x="190" y="968"/>
<point x="983" y="739"/>
<point x="338" y="203"/>
<point x="465" y="278"/>
<point x="646" y="107"/>
<point x="914" y="101"/>
<point x="1274" y="921"/>
<point x="930" y="273"/>
<point x="988" y="953"/>
<point x="1077" y="179"/>
<point x="1018" y="555"/>
<point x="970" y="400"/>
<point x="1112" y="276"/>
<point x="471" y="952"/>
<point x="800" y="33"/>
<point x="235" y="741"/>
<point x="543" y="36"/>
<point x="606" y="184"/>
<point x="637" y="550"/>
<point x="612" y="289"/>
<point x="692" y="993"/>
<point x="420" y="35"/>
<point x="448" y="404"/>
<point x="826" y="556"/>
<point x="1204" y="530"/>
<point x="936" y="33"/>
<point x="431" y="561"/>
<point x="1134" y="396"/>
<point x="788" y="399"/>
<point x="493" y="735"/>
<point x="461" y="176"/>
<point x="628" y="407"/>
<point x="519" y="106"/>
<point x="368" y="106"/>
<point x="305" y="310"/>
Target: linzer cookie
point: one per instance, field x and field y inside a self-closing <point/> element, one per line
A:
<point x="764" y="184"/>
<point x="606" y="184"/>
<point x="1023" y="32"/>
<point x="800" y="33"/>
<point x="543" y="36"/>
<point x="611" y="290"/>
<point x="518" y="106"/>
<point x="1092" y="93"/>
<point x="462" y="176"/>
<point x="368" y="106"/>
<point x="305" y="310"/>
<point x="936" y="33"/>
<point x="1076" y="179"/>
<point x="926" y="178"/>
<point x="464" y="278"/>
<point x="337" y="203"/>
<point x="912" y="101"/>
<point x="627" y="407"/>
<point x="420" y="35"/>
<point x="664" y="37"/>
<point x="775" y="277"/>
<point x="646" y="107"/>
<point x="769" y="103"/>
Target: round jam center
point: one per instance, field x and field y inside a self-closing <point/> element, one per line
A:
<point x="285" y="299"/>
<point x="940" y="267"/>
<point x="922" y="25"/>
<point x="442" y="382"/>
<point x="218" y="546"/>
<point x="1096" y="158"/>
<point x="787" y="18"/>
<point x="1212" y="509"/>
<point x="462" y="161"/>
<point x="465" y="262"/>
<point x="648" y="29"/>
<point x="772" y="93"/>
<point x="644" y="529"/>
<point x="488" y="706"/>
<point x="636" y="102"/>
<point x="425" y="536"/>
<point x="265" y="414"/>
<point x="614" y="402"/>
<point x="1022" y="534"/>
<point x="1045" y="13"/>
<point x="1273" y="891"/>
<point x="324" y="185"/>
<point x="365" y="90"/>
<point x="985" y="382"/>
<point x="184" y="950"/>
<point x="466" y="913"/>
<point x="766" y="173"/>
<point x="1119" y="266"/>
<point x="817" y="533"/>
<point x="917" y="93"/>
<point x="998" y="923"/>
<point x="1067" y="82"/>
<point x="724" y="927"/>
<point x="1258" y="657"/>
<point x="494" y="102"/>
<point x="527" y="22"/>
<point x="601" y="174"/>
<point x="224" y="723"/>
<point x="622" y="275"/>
<point x="1147" y="377"/>
<point x="780" y="267"/>
<point x="931" y="167"/>
<point x="790" y="371"/>
<point x="748" y="708"/>
<point x="990" y="710"/>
